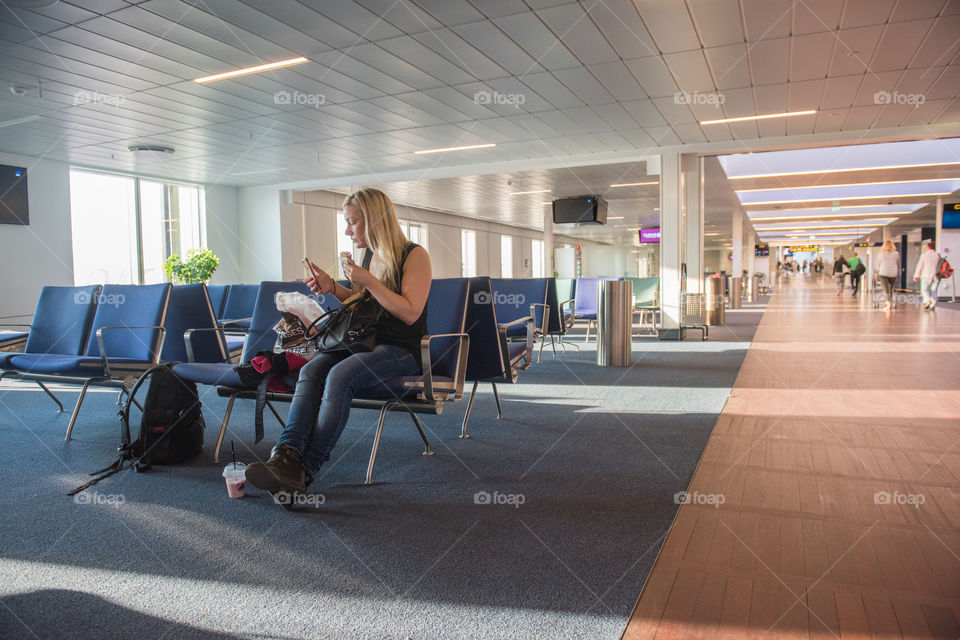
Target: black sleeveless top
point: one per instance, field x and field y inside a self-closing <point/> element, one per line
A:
<point x="393" y="330"/>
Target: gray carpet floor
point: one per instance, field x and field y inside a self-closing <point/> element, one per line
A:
<point x="581" y="475"/>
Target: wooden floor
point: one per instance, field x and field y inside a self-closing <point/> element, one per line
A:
<point x="827" y="501"/>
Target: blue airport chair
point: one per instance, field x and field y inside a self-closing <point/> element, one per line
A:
<point x="558" y="320"/>
<point x="646" y="296"/>
<point x="493" y="358"/>
<point x="444" y="352"/>
<point x="126" y="339"/>
<point x="191" y="308"/>
<point x="238" y="306"/>
<point x="515" y="300"/>
<point x="218" y="298"/>
<point x="260" y="337"/>
<point x="585" y="303"/>
<point x="61" y="325"/>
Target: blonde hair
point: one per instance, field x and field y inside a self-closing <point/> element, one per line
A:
<point x="383" y="233"/>
<point x="888" y="246"/>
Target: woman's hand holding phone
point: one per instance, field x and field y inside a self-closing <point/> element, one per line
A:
<point x="320" y="282"/>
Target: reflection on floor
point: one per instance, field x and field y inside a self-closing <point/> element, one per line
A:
<point x="827" y="501"/>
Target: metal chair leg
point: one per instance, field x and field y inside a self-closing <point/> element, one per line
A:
<point x="76" y="409"/>
<point x="423" y="434"/>
<point x="223" y="428"/>
<point x="283" y="423"/>
<point x="376" y="443"/>
<point x="586" y="338"/>
<point x="123" y="390"/>
<point x="50" y="393"/>
<point x="543" y="341"/>
<point x="466" y="416"/>
<point x="497" y="397"/>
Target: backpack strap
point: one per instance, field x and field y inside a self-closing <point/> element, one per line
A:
<point x="261" y="404"/>
<point x="367" y="257"/>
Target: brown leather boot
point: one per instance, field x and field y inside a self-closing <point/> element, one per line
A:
<point x="282" y="472"/>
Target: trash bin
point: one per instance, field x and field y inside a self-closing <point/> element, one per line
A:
<point x="614" y="323"/>
<point x="754" y="288"/>
<point x="715" y="305"/>
<point x="735" y="285"/>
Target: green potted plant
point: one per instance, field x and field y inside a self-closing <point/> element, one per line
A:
<point x="198" y="267"/>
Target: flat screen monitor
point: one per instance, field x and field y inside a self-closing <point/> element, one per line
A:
<point x="580" y="209"/>
<point x="761" y="249"/>
<point x="650" y="235"/>
<point x="13" y="195"/>
<point x="951" y="216"/>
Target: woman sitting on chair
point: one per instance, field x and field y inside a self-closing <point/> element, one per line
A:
<point x="398" y="278"/>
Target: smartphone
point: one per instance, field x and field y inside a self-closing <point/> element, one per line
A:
<point x="309" y="267"/>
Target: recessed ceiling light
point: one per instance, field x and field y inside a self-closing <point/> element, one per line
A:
<point x="248" y="70"/>
<point x="617" y="218"/>
<point x="806" y="173"/>
<point x="850" y="184"/>
<point x="523" y="193"/>
<point x="634" y="184"/>
<point x="463" y="148"/>
<point x="831" y="215"/>
<point x="886" y="197"/>
<point x="767" y="116"/>
<point x="548" y="202"/>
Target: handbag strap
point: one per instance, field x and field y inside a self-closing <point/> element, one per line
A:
<point x="367" y="257"/>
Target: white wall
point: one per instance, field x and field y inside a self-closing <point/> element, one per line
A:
<point x="40" y="253"/>
<point x="309" y="227"/>
<point x="223" y="236"/>
<point x="259" y="238"/>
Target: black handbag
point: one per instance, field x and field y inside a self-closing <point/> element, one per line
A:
<point x="351" y="328"/>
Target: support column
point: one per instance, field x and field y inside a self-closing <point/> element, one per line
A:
<point x="548" y="242"/>
<point x="736" y="267"/>
<point x="939" y="218"/>
<point x="693" y="208"/>
<point x="671" y="246"/>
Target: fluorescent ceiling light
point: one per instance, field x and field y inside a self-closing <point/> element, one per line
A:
<point x="801" y="227"/>
<point x="634" y="184"/>
<point x="831" y="215"/>
<point x="523" y="193"/>
<point x="548" y="202"/>
<point x="463" y="148"/>
<point x="833" y="199"/>
<point x="248" y="70"/>
<point x="15" y="121"/>
<point x="851" y="184"/>
<point x="767" y="116"/>
<point x="711" y="234"/>
<point x="823" y="233"/>
<point x="617" y="218"/>
<point x="819" y="171"/>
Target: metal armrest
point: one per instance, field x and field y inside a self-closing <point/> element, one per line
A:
<point x="531" y="333"/>
<point x="428" y="368"/>
<point x="568" y="323"/>
<point x="544" y="320"/>
<point x="223" y="324"/>
<point x="188" y="342"/>
<point x="21" y="325"/>
<point x="103" y="352"/>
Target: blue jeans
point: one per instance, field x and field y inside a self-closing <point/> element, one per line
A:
<point x="324" y="389"/>
<point x="928" y="290"/>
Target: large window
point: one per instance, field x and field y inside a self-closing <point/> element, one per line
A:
<point x="415" y="232"/>
<point x="506" y="257"/>
<point x="124" y="227"/>
<point x="538" y="259"/>
<point x="468" y="253"/>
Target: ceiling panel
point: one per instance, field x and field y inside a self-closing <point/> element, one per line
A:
<point x="767" y="19"/>
<point x="728" y="66"/>
<point x="618" y="81"/>
<point x="552" y="90"/>
<point x="816" y="16"/>
<point x="810" y="56"/>
<point x="493" y="43"/>
<point x="670" y="25"/>
<point x="941" y="45"/>
<point x="854" y="50"/>
<point x="576" y="31"/>
<point x="406" y="16"/>
<point x="654" y="76"/>
<point x="898" y="45"/>
<point x="621" y="25"/>
<point x="690" y="70"/>
<point x="861" y="13"/>
<point x="769" y="60"/>
<point x="427" y="60"/>
<point x="717" y="21"/>
<point x="537" y="40"/>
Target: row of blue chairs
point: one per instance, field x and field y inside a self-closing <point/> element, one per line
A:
<point x="584" y="293"/>
<point x="107" y="335"/>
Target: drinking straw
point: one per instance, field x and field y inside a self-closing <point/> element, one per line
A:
<point x="234" y="453"/>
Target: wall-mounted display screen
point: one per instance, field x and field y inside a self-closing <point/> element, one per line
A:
<point x="761" y="249"/>
<point x="13" y="195"/>
<point x="951" y="216"/>
<point x="650" y="235"/>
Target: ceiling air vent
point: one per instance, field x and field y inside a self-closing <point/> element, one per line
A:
<point x="150" y="148"/>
